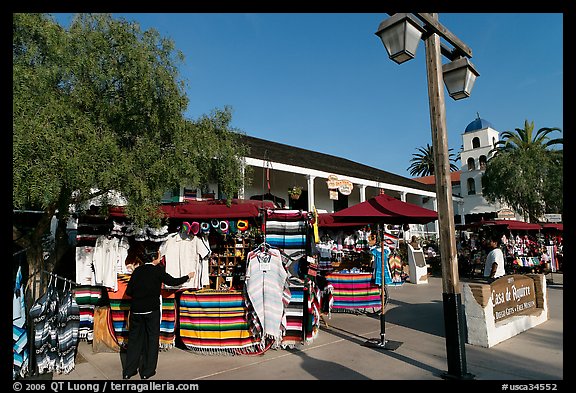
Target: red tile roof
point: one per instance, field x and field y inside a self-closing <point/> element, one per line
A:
<point x="454" y="176"/>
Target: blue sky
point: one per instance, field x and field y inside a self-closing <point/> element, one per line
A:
<point x="323" y="81"/>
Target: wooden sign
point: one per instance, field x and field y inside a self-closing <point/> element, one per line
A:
<point x="512" y="295"/>
<point x="343" y="186"/>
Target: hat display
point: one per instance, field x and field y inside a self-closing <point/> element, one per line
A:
<point x="242" y="225"/>
<point x="205" y="227"/>
<point x="224" y="226"/>
<point x="185" y="228"/>
<point x="195" y="228"/>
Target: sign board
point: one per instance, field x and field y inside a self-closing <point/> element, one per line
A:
<point x="553" y="217"/>
<point x="334" y="195"/>
<point x="512" y="295"/>
<point x="344" y="186"/>
<point x="506" y="213"/>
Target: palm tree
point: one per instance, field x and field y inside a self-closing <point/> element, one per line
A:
<point x="423" y="163"/>
<point x="524" y="139"/>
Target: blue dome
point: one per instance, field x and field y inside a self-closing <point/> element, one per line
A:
<point x="478" y="124"/>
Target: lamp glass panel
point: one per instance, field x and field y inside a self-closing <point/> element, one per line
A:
<point x="393" y="39"/>
<point x="455" y="81"/>
<point x="413" y="36"/>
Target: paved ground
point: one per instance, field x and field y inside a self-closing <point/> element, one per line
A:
<point x="414" y="319"/>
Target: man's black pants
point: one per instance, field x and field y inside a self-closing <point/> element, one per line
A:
<point x="143" y="344"/>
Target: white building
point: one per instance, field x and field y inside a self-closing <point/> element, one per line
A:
<point x="478" y="139"/>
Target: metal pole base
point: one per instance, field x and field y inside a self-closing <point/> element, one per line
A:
<point x="464" y="377"/>
<point x="382" y="344"/>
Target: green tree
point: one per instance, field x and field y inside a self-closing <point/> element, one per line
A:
<point x="99" y="107"/>
<point x="525" y="173"/>
<point x="422" y="164"/>
<point x="524" y="138"/>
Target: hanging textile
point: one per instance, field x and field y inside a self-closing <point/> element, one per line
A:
<point x="377" y="264"/>
<point x="87" y="297"/>
<point x="268" y="293"/>
<point x="295" y="315"/>
<point x="19" y="327"/>
<point x="68" y="323"/>
<point x="105" y="260"/>
<point x="395" y="265"/>
<point x="120" y="310"/>
<point x="186" y="253"/>
<point x="168" y="319"/>
<point x="214" y="322"/>
<point x="313" y="310"/>
<point x="43" y="313"/>
<point x="84" y="268"/>
<point x="354" y="292"/>
<point x="287" y="230"/>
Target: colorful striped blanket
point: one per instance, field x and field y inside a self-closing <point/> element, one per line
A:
<point x="120" y="310"/>
<point x="287" y="230"/>
<point x="214" y="322"/>
<point x="354" y="292"/>
<point x="87" y="297"/>
<point x="294" y="316"/>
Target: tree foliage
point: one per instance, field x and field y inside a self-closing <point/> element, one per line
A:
<point x="422" y="164"/>
<point x="525" y="173"/>
<point x="98" y="107"/>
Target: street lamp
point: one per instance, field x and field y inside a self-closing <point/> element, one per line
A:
<point x="400" y="35"/>
<point x="459" y="77"/>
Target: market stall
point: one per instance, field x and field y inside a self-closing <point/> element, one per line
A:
<point x="382" y="209"/>
<point x="227" y="245"/>
<point x="528" y="247"/>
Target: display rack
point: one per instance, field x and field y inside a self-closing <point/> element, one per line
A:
<point x="227" y="266"/>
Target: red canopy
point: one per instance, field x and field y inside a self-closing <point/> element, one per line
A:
<point x="327" y="220"/>
<point x="204" y="210"/>
<point x="386" y="209"/>
<point x="553" y="225"/>
<point x="513" y="225"/>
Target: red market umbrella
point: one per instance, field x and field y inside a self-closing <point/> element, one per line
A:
<point x="327" y="220"/>
<point x="553" y="225"/>
<point x="514" y="225"/>
<point x="386" y="209"/>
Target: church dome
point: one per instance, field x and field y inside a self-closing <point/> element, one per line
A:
<point x="478" y="124"/>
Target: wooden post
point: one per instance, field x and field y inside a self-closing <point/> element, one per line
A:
<point x="453" y="316"/>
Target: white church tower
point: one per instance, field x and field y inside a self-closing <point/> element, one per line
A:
<point x="478" y="139"/>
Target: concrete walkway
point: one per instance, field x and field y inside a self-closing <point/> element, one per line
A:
<point x="414" y="320"/>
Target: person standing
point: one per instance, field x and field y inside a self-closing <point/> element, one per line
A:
<point x="494" y="266"/>
<point x="144" y="329"/>
<point x="414" y="243"/>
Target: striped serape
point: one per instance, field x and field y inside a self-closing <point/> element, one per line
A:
<point x="214" y="322"/>
<point x="354" y="292"/>
<point x="19" y="326"/>
<point x="168" y="319"/>
<point x="313" y="295"/>
<point x="87" y="297"/>
<point x="67" y="322"/>
<point x="287" y="231"/>
<point x="294" y="316"/>
<point x="120" y="311"/>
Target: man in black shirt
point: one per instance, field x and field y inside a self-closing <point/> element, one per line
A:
<point x="144" y="335"/>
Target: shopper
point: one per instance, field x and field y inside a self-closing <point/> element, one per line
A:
<point x="414" y="243"/>
<point x="144" y="323"/>
<point x="494" y="266"/>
